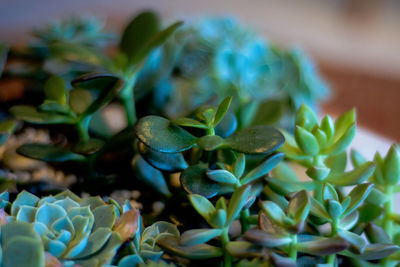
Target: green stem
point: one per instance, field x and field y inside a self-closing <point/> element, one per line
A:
<point x="387" y="222"/>
<point x="210" y="131"/>
<point x="83" y="128"/>
<point x="332" y="258"/>
<point x="319" y="190"/>
<point x="225" y="241"/>
<point x="244" y="220"/>
<point x="128" y="100"/>
<point x="293" y="248"/>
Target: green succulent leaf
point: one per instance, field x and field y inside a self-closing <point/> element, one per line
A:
<point x="256" y="140"/>
<point x="29" y="251"/>
<point x="237" y="202"/>
<point x="150" y="175"/>
<point x="376" y="234"/>
<point x="202" y="251"/>
<point x="318" y="209"/>
<point x="188" y="122"/>
<point x="343" y="123"/>
<point x="221" y="111"/>
<point x="323" y="246"/>
<point x="264" y="239"/>
<point x="357" y="243"/>
<point x="373" y="252"/>
<point x="171" y="162"/>
<point x="273" y="211"/>
<point x="306" y="118"/>
<point x="356" y="176"/>
<point x="222" y="176"/>
<point x="203" y="206"/>
<point x="306" y="141"/>
<point x="198" y="236"/>
<point x="54" y="89"/>
<point x="210" y="142"/>
<point x="343" y="142"/>
<point x="80" y="100"/>
<point x="357" y="196"/>
<point x="328" y="126"/>
<point x="239" y="165"/>
<point x="261" y="170"/>
<point x="195" y="181"/>
<point x="48" y="153"/>
<point x="329" y="192"/>
<point x="356" y="158"/>
<point x="243" y="249"/>
<point x="391" y="166"/>
<point x="31" y="115"/>
<point x="369" y="212"/>
<point x="299" y="206"/>
<point x="159" y="134"/>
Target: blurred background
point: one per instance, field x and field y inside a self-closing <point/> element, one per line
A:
<point x="355" y="43"/>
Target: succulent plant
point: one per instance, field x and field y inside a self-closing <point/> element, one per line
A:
<point x="73" y="230"/>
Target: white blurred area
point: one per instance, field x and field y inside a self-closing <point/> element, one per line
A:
<point x="363" y="34"/>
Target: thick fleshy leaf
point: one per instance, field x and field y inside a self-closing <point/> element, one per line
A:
<point x="188" y="122"/>
<point x="23" y="251"/>
<point x="273" y="211"/>
<point x="96" y="242"/>
<point x="329" y="193"/>
<point x="328" y="126"/>
<point x="48" y="153"/>
<point x="391" y="166"/>
<point x="54" y="89"/>
<point x="343" y="122"/>
<point x="138" y="32"/>
<point x="239" y="165"/>
<point x="263" y="168"/>
<point x="357" y="196"/>
<point x="202" y="251"/>
<point x="356" y="243"/>
<point x="337" y="163"/>
<point x="221" y="110"/>
<point x="171" y="162"/>
<point x="356" y="176"/>
<point x="149" y="175"/>
<point x="264" y="239"/>
<point x="210" y="142"/>
<point x="306" y="141"/>
<point x="256" y="140"/>
<point x="108" y="84"/>
<point x="269" y="226"/>
<point x="80" y="100"/>
<point x="161" y="135"/>
<point x="373" y="252"/>
<point x="222" y="176"/>
<point x="203" y="206"/>
<point x="198" y="236"/>
<point x="306" y="118"/>
<point x="238" y="200"/>
<point x="130" y="260"/>
<point x="195" y="181"/>
<point x="299" y="206"/>
<point x="127" y="224"/>
<point x="323" y="246"/>
<point x="376" y="234"/>
<point x="218" y="219"/>
<point x="318" y="210"/>
<point x="227" y="125"/>
<point x="369" y="212"/>
<point x="348" y="221"/>
<point x="343" y="142"/>
<point x="88" y="147"/>
<point x="31" y="115"/>
<point x="244" y="249"/>
<point x="356" y="158"/>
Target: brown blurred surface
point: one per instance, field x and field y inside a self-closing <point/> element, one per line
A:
<point x="375" y="97"/>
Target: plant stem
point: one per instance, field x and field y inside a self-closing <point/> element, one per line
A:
<point x="210" y="131"/>
<point x="83" y="128"/>
<point x="244" y="220"/>
<point x="128" y="100"/>
<point x="332" y="258"/>
<point x="387" y="223"/>
<point x="293" y="248"/>
<point x="225" y="241"/>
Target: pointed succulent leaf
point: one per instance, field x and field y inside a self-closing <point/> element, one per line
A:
<point x="343" y="122"/>
<point x="236" y="203"/>
<point x="269" y="226"/>
<point x="23" y="199"/>
<point x="263" y="168"/>
<point x="318" y="173"/>
<point x="222" y="176"/>
<point x="356" y="176"/>
<point x="323" y="246"/>
<point x="306" y="141"/>
<point x="256" y="140"/>
<point x="299" y="206"/>
<point x="159" y="134"/>
<point x="227" y="125"/>
<point x="273" y="211"/>
<point x="171" y="162"/>
<point x="48" y="153"/>
<point x="373" y="252"/>
<point x="337" y="163"/>
<point x="221" y="110"/>
<point x="329" y="192"/>
<point x="150" y="175"/>
<point x="391" y="166"/>
<point x="318" y="210"/>
<point x="356" y="158"/>
<point x="218" y="219"/>
<point x="30" y="252"/>
<point x="376" y="234"/>
<point x="349" y="221"/>
<point x="239" y="165"/>
<point x="328" y="126"/>
<point x="264" y="239"/>
<point x="203" y="206"/>
<point x="321" y="137"/>
<point x="203" y="251"/>
<point x="357" y="196"/>
<point x="343" y="142"/>
<point x="198" y="236"/>
<point x="306" y="118"/>
<point x="188" y="122"/>
<point x="357" y="243"/>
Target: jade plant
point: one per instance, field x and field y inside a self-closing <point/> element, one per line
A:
<point x="215" y="183"/>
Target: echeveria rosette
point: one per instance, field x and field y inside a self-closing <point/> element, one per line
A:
<point x="73" y="230"/>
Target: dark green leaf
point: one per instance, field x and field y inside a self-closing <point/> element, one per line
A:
<point x="242" y="249"/>
<point x="222" y="176"/>
<point x="299" y="206"/>
<point x="171" y="162"/>
<point x="149" y="175"/>
<point x="54" y="89"/>
<point x="391" y="166"/>
<point x="159" y="134"/>
<point x="268" y="113"/>
<point x="221" y="111"/>
<point x="369" y="212"/>
<point x="357" y="196"/>
<point x="30" y="114"/>
<point x="138" y="33"/>
<point x="263" y="168"/>
<point x="80" y="100"/>
<point x="256" y="140"/>
<point x="195" y="181"/>
<point x="239" y="165"/>
<point x="202" y="251"/>
<point x="198" y="236"/>
<point x="210" y="142"/>
<point x="88" y="147"/>
<point x="48" y="153"/>
<point x="54" y="107"/>
<point x="356" y="243"/>
<point x="238" y="200"/>
<point x="376" y="234"/>
<point x="203" y="206"/>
